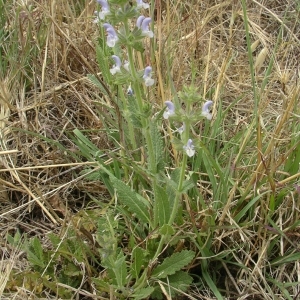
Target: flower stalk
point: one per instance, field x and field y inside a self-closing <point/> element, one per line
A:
<point x="139" y="101"/>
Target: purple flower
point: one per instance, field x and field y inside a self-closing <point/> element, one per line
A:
<point x="130" y="91"/>
<point x="141" y="4"/>
<point x="145" y="28"/>
<point x="147" y="76"/>
<point x="170" y="110"/>
<point x="117" y="67"/>
<point x="181" y="129"/>
<point x="107" y="26"/>
<point x="139" y="21"/>
<point x="205" y="110"/>
<point x="189" y="148"/>
<point x="112" y="36"/>
<point x="105" y="11"/>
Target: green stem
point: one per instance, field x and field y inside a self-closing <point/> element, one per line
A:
<point x="179" y="190"/>
<point x="126" y="115"/>
<point x="140" y="105"/>
<point x="185" y="137"/>
<point x="175" y="205"/>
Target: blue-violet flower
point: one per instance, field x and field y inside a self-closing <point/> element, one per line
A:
<point x="147" y="76"/>
<point x="139" y="21"/>
<point x="205" y="110"/>
<point x="145" y="28"/>
<point x="130" y="91"/>
<point x="189" y="148"/>
<point x="105" y="11"/>
<point x="170" y="110"/>
<point x="112" y="36"/>
<point x="117" y="67"/>
<point x="181" y="129"/>
<point x="141" y="4"/>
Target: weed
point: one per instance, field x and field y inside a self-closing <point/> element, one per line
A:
<point x="150" y="150"/>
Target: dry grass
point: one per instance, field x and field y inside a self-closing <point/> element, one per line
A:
<point x="45" y="95"/>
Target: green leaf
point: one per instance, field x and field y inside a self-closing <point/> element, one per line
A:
<point x="98" y="83"/>
<point x="14" y="240"/>
<point x="180" y="280"/>
<point x="98" y="175"/>
<point x="55" y="239"/>
<point x="133" y="112"/>
<point x="286" y="259"/>
<point x="103" y="63"/>
<point x="84" y="141"/>
<point x="132" y="200"/>
<point x="35" y="253"/>
<point x="120" y="269"/>
<point x="173" y="263"/>
<point x="172" y="185"/>
<point x="187" y="184"/>
<point x="284" y="287"/>
<point x="101" y="285"/>
<point x="157" y="294"/>
<point x="166" y="230"/>
<point x="211" y="284"/>
<point x="158" y="146"/>
<point x="70" y="270"/>
<point x="61" y="292"/>
<point x="35" y="260"/>
<point x="292" y="163"/>
<point x="143" y="293"/>
<point x="161" y="206"/>
<point x="52" y="142"/>
<point x="138" y="258"/>
<point x="243" y="212"/>
<point x="87" y="148"/>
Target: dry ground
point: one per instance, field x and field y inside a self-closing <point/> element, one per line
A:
<point x="45" y="93"/>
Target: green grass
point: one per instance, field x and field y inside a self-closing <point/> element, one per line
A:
<point x="99" y="199"/>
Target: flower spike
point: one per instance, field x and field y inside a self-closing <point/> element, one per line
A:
<point x="189" y="148"/>
<point x="205" y="110"/>
<point x="147" y="76"/>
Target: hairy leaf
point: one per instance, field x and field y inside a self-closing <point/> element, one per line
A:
<point x="138" y="258"/>
<point x="176" y="283"/>
<point x="120" y="269"/>
<point x="35" y="253"/>
<point x="166" y="230"/>
<point x="103" y="63"/>
<point x="161" y="206"/>
<point x="143" y="293"/>
<point x="131" y="200"/>
<point x="97" y="83"/>
<point x="158" y="146"/>
<point x="133" y="112"/>
<point x="173" y="263"/>
<point x="180" y="280"/>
